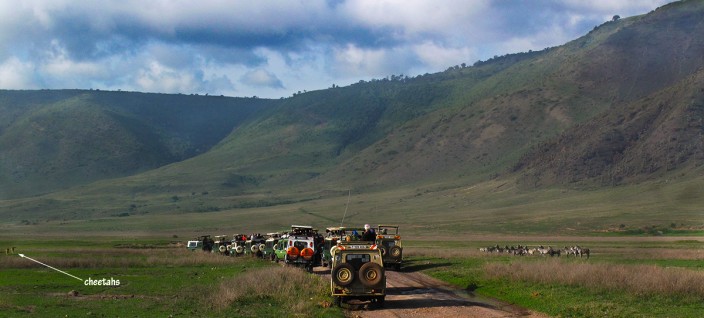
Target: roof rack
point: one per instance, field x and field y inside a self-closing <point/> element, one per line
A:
<point x="357" y="245"/>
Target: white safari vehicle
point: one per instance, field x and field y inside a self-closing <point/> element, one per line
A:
<point x="300" y="249"/>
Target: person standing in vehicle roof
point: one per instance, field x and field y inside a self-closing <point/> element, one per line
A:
<point x="369" y="234"/>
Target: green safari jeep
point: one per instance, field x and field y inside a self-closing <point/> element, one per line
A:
<point x="269" y="244"/>
<point x="357" y="273"/>
<point x="237" y="245"/>
<point x="254" y="246"/>
<point x="389" y="242"/>
<point x="220" y="245"/>
<point x="280" y="249"/>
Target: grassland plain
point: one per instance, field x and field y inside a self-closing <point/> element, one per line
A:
<point x="158" y="278"/>
<point x="624" y="277"/>
<point x="657" y="276"/>
<point x="655" y="207"/>
<point x="654" y="223"/>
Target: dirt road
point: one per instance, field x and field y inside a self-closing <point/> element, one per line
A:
<point x="414" y="294"/>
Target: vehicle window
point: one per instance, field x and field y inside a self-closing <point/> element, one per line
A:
<point x="357" y="260"/>
<point x="389" y="244"/>
<point x="300" y="245"/>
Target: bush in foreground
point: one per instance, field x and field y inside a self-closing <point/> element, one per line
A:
<point x="275" y="291"/>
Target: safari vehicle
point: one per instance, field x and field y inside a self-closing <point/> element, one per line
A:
<point x="203" y="242"/>
<point x="300" y="247"/>
<point x="332" y="236"/>
<point x="269" y="244"/>
<point x="255" y="245"/>
<point x="280" y="249"/>
<point x="389" y="242"/>
<point x="357" y="273"/>
<point x="335" y="234"/>
<point x="220" y="245"/>
<point x="237" y="244"/>
<point x="194" y="245"/>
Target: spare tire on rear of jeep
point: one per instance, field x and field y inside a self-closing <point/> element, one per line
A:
<point x="395" y="252"/>
<point x="371" y="274"/>
<point x="343" y="274"/>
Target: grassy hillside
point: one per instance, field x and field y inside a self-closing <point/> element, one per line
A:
<point x="646" y="139"/>
<point x="616" y="107"/>
<point x="53" y="140"/>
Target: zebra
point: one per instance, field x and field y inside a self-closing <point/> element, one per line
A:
<point x="582" y="251"/>
<point x="552" y="252"/>
<point x="571" y="250"/>
<point x="542" y="250"/>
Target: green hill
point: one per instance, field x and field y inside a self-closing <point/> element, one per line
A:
<point x="620" y="106"/>
<point x="644" y="140"/>
<point x="54" y="140"/>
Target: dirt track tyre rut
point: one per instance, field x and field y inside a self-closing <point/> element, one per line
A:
<point x="413" y="294"/>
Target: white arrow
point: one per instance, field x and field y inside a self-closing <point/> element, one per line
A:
<point x="58" y="270"/>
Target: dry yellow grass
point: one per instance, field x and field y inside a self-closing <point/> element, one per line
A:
<point x="656" y="253"/>
<point x="293" y="287"/>
<point x="638" y="279"/>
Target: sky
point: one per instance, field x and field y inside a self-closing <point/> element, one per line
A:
<point x="273" y="49"/>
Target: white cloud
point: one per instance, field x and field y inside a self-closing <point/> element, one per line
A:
<point x="15" y="74"/>
<point x="629" y="7"/>
<point x="159" y="78"/>
<point x="355" y="61"/>
<point x="58" y="65"/>
<point x="198" y="46"/>
<point x="416" y="17"/>
<point x="261" y="77"/>
<point x="438" y="57"/>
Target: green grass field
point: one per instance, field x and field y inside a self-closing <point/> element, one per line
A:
<point x="624" y="277"/>
<point x="650" y="208"/>
<point x="157" y="279"/>
<point x="654" y="224"/>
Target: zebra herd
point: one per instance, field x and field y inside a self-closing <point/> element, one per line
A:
<point x="539" y="250"/>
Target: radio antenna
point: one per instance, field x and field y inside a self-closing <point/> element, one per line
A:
<point x="349" y="193"/>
